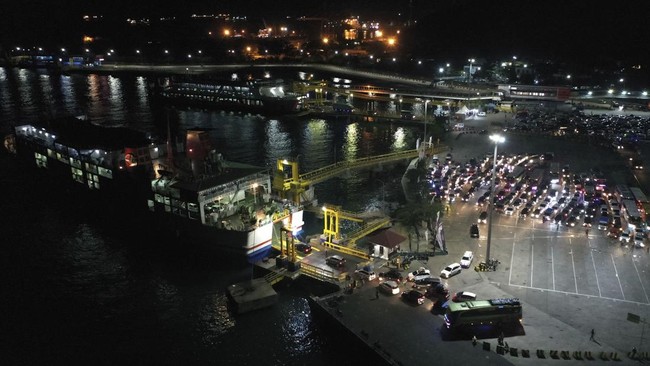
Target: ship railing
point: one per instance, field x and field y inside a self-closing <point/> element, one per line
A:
<point x="353" y="251"/>
<point x="275" y="276"/>
<point x="322" y="274"/>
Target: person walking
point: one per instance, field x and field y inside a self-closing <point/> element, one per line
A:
<point x="377" y="293"/>
<point x="474" y="341"/>
<point x="592" y="335"/>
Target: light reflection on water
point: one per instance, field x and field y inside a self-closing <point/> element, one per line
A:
<point x="160" y="304"/>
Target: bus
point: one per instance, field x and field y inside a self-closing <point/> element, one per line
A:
<point x="631" y="212"/>
<point x="623" y="192"/>
<point x="480" y="312"/>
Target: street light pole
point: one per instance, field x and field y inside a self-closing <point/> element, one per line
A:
<point x="469" y="74"/>
<point x="497" y="139"/>
<point x="425" y="123"/>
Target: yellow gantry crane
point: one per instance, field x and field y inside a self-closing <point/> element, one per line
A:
<point x="332" y="216"/>
<point x="286" y="181"/>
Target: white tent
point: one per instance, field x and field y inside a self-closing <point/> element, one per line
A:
<point x="463" y="110"/>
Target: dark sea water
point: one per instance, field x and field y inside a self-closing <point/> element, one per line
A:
<point x="79" y="286"/>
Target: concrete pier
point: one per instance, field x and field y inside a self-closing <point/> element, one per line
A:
<point x="252" y="295"/>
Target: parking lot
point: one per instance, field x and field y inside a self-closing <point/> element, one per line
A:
<point x="570" y="281"/>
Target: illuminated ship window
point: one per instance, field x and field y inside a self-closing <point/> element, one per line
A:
<point x="106" y="173"/>
<point x="41" y="160"/>
<point x="77" y="175"/>
<point x="93" y="181"/>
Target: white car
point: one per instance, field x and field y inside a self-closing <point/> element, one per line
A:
<point x="451" y="270"/>
<point x="467" y="259"/>
<point x="481" y="114"/>
<point x="421" y="273"/>
<point x="365" y="275"/>
<point x="625" y="237"/>
<point x="639" y="240"/>
<point x="510" y="210"/>
<point x="389" y="287"/>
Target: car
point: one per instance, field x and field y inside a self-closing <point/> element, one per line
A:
<point x="571" y="221"/>
<point x="639" y="231"/>
<point x="587" y="221"/>
<point x="639" y="240"/>
<point x="303" y="248"/>
<point x="482" y="218"/>
<point x="524" y="212"/>
<point x="392" y="274"/>
<point x="414" y="297"/>
<point x="427" y="281"/>
<point x="625" y="237"/>
<point x="365" y="274"/>
<point x="463" y="296"/>
<point x="389" y="287"/>
<point x="418" y="274"/>
<point x="335" y="260"/>
<point x="439" y="291"/>
<point x="473" y="231"/>
<point x="537" y="212"/>
<point x="481" y="114"/>
<point x="467" y="259"/>
<point x="510" y="210"/>
<point x="548" y="213"/>
<point x="451" y="270"/>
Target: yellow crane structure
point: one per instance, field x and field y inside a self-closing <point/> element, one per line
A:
<point x="332" y="216"/>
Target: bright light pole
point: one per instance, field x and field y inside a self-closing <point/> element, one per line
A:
<point x="497" y="140"/>
<point x="469" y="74"/>
<point x="425" y="123"/>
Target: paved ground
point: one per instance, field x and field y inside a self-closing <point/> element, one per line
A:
<point x="569" y="282"/>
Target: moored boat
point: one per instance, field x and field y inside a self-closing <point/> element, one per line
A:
<point x="193" y="193"/>
<point x="269" y="97"/>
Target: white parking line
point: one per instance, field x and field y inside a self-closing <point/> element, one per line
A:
<point x="512" y="259"/>
<point x="618" y="278"/>
<point x="532" y="262"/>
<point x="573" y="263"/>
<point x="639" y="275"/>
<point x="552" y="269"/>
<point x="596" y="273"/>
<point x="585" y="295"/>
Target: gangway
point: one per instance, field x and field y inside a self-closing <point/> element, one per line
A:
<point x="295" y="184"/>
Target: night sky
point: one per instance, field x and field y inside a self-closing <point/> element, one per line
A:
<point x="573" y="30"/>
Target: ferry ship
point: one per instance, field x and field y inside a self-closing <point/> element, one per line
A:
<point x="186" y="187"/>
<point x="258" y="96"/>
